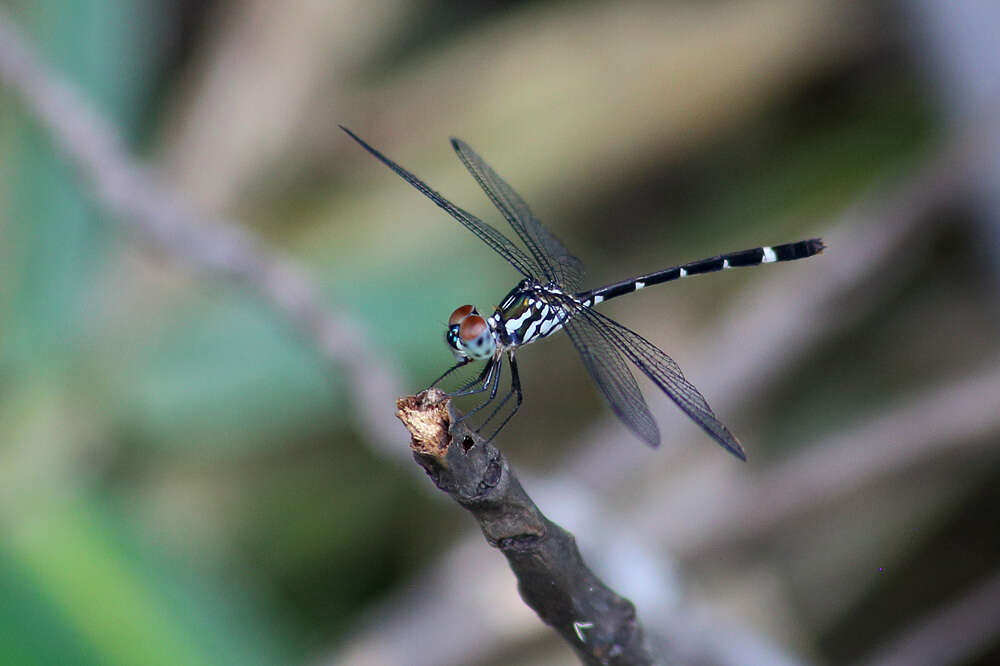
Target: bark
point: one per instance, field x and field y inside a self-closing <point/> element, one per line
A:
<point x="552" y="578"/>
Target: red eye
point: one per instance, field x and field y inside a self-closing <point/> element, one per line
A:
<point x="461" y="313"/>
<point x="471" y="328"/>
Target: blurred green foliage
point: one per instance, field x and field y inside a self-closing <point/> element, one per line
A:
<point x="82" y="584"/>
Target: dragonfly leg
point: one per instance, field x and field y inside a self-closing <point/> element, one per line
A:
<point x="515" y="390"/>
<point x="483" y="378"/>
<point x="461" y="364"/>
<point x="495" y="385"/>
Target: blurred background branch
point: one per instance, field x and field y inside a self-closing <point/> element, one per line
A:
<point x="218" y="247"/>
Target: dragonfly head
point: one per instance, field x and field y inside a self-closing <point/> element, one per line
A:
<point x="469" y="335"/>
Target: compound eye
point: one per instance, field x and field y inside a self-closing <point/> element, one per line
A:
<point x="461" y="313"/>
<point x="472" y="327"/>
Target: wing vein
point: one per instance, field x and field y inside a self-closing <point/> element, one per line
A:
<point x="663" y="371"/>
<point x="556" y="262"/>
<point x="500" y="244"/>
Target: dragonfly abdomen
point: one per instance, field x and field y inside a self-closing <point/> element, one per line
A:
<point x="752" y="257"/>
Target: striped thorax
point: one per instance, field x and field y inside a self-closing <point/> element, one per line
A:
<point x="530" y="312"/>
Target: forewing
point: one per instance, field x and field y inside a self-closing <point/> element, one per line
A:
<point x="524" y="264"/>
<point x="666" y="374"/>
<point x="548" y="251"/>
<point x="613" y="378"/>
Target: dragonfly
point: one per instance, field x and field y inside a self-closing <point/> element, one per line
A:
<point x="549" y="299"/>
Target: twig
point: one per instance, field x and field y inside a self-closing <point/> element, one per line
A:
<point x="553" y="579"/>
<point x="218" y="247"/>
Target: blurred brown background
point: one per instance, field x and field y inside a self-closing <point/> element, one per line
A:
<point x="196" y="468"/>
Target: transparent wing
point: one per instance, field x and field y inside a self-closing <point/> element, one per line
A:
<point x="524" y="264"/>
<point x="613" y="378"/>
<point x="557" y="262"/>
<point x="664" y="372"/>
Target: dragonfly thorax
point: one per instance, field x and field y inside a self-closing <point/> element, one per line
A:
<point x="530" y="312"/>
<point x="469" y="335"/>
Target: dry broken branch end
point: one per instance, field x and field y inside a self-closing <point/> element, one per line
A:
<point x="427" y="418"/>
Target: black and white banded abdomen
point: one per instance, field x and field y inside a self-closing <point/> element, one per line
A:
<point x="752" y="257"/>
